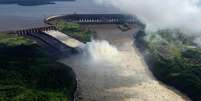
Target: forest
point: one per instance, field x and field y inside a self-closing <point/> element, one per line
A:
<point x="27" y="73"/>
<point x="174" y="59"/>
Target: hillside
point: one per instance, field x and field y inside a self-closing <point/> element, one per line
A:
<point x="28" y="74"/>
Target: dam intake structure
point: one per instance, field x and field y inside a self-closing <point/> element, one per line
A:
<point x="95" y="19"/>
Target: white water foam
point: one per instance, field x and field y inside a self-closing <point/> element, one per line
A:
<point x="101" y="51"/>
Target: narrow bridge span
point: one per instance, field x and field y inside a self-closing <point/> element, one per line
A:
<point x="23" y="32"/>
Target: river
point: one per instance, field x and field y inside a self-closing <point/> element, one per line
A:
<point x="110" y="68"/>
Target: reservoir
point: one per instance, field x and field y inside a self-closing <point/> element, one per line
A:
<point x="30" y="16"/>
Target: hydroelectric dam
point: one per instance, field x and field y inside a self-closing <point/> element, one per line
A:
<point x="109" y="68"/>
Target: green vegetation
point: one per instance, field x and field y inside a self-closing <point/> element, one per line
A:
<point x="74" y="30"/>
<point x="27" y="74"/>
<point x="176" y="61"/>
<point x="124" y="27"/>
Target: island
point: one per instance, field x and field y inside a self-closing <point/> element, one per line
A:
<point x="30" y="2"/>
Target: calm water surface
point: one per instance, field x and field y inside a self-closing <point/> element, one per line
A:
<point x="13" y="16"/>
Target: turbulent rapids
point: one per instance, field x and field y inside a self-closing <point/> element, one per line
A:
<point x="116" y="72"/>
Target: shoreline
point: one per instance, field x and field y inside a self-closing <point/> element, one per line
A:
<point x="140" y="47"/>
<point x="140" y="54"/>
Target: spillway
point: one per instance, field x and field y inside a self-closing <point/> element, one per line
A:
<point x="110" y="68"/>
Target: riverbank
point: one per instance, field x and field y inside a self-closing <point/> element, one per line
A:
<point x="171" y="57"/>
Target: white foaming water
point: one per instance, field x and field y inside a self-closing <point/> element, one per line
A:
<point x="98" y="51"/>
<point x="106" y="74"/>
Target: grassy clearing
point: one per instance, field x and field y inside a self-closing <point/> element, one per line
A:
<point x="73" y="30"/>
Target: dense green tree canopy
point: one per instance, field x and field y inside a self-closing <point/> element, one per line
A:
<point x="175" y="60"/>
<point x="28" y="74"/>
